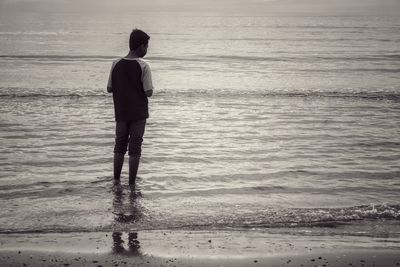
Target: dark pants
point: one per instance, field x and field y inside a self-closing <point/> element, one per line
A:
<point x="129" y="134"/>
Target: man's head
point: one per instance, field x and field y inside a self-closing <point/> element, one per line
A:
<point x="138" y="42"/>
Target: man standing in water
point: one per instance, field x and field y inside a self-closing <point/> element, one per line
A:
<point x="131" y="84"/>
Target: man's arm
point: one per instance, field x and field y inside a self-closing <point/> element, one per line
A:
<point x="149" y="93"/>
<point x="147" y="80"/>
<point x="109" y="87"/>
<point x="109" y="84"/>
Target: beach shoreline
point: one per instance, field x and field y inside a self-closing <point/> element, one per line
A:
<point x="192" y="248"/>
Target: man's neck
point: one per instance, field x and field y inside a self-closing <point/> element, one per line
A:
<point x="132" y="54"/>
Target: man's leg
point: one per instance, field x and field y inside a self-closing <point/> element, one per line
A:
<point x="118" y="163"/>
<point x="136" y="132"/>
<point x="121" y="142"/>
<point x="133" y="169"/>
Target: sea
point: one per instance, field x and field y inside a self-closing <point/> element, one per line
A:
<point x="257" y="123"/>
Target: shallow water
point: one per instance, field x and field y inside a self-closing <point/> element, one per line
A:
<point x="284" y="122"/>
<point x="227" y="162"/>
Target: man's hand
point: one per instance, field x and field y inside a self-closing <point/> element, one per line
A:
<point x="149" y="93"/>
<point x="109" y="89"/>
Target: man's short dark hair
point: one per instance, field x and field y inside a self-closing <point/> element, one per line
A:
<point x="137" y="38"/>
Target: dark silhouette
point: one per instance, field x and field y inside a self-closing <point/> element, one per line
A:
<point x="130" y="83"/>
<point x="133" y="244"/>
<point x="126" y="214"/>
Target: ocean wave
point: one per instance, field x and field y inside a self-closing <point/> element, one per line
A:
<point x="313" y="217"/>
<point x="150" y="211"/>
<point x="60" y="57"/>
<point x="206" y="58"/>
<point x="382" y="214"/>
<point x="295" y="218"/>
<point x="380" y="95"/>
<point x="49" y="95"/>
<point x="108" y="58"/>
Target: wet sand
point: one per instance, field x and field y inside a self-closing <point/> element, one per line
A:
<point x="185" y="248"/>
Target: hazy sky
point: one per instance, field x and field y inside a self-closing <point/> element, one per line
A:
<point x="256" y="7"/>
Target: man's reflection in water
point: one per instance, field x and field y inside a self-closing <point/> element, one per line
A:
<point x="133" y="244"/>
<point x="126" y="213"/>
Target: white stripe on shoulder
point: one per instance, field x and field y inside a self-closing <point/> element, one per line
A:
<point x="142" y="63"/>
